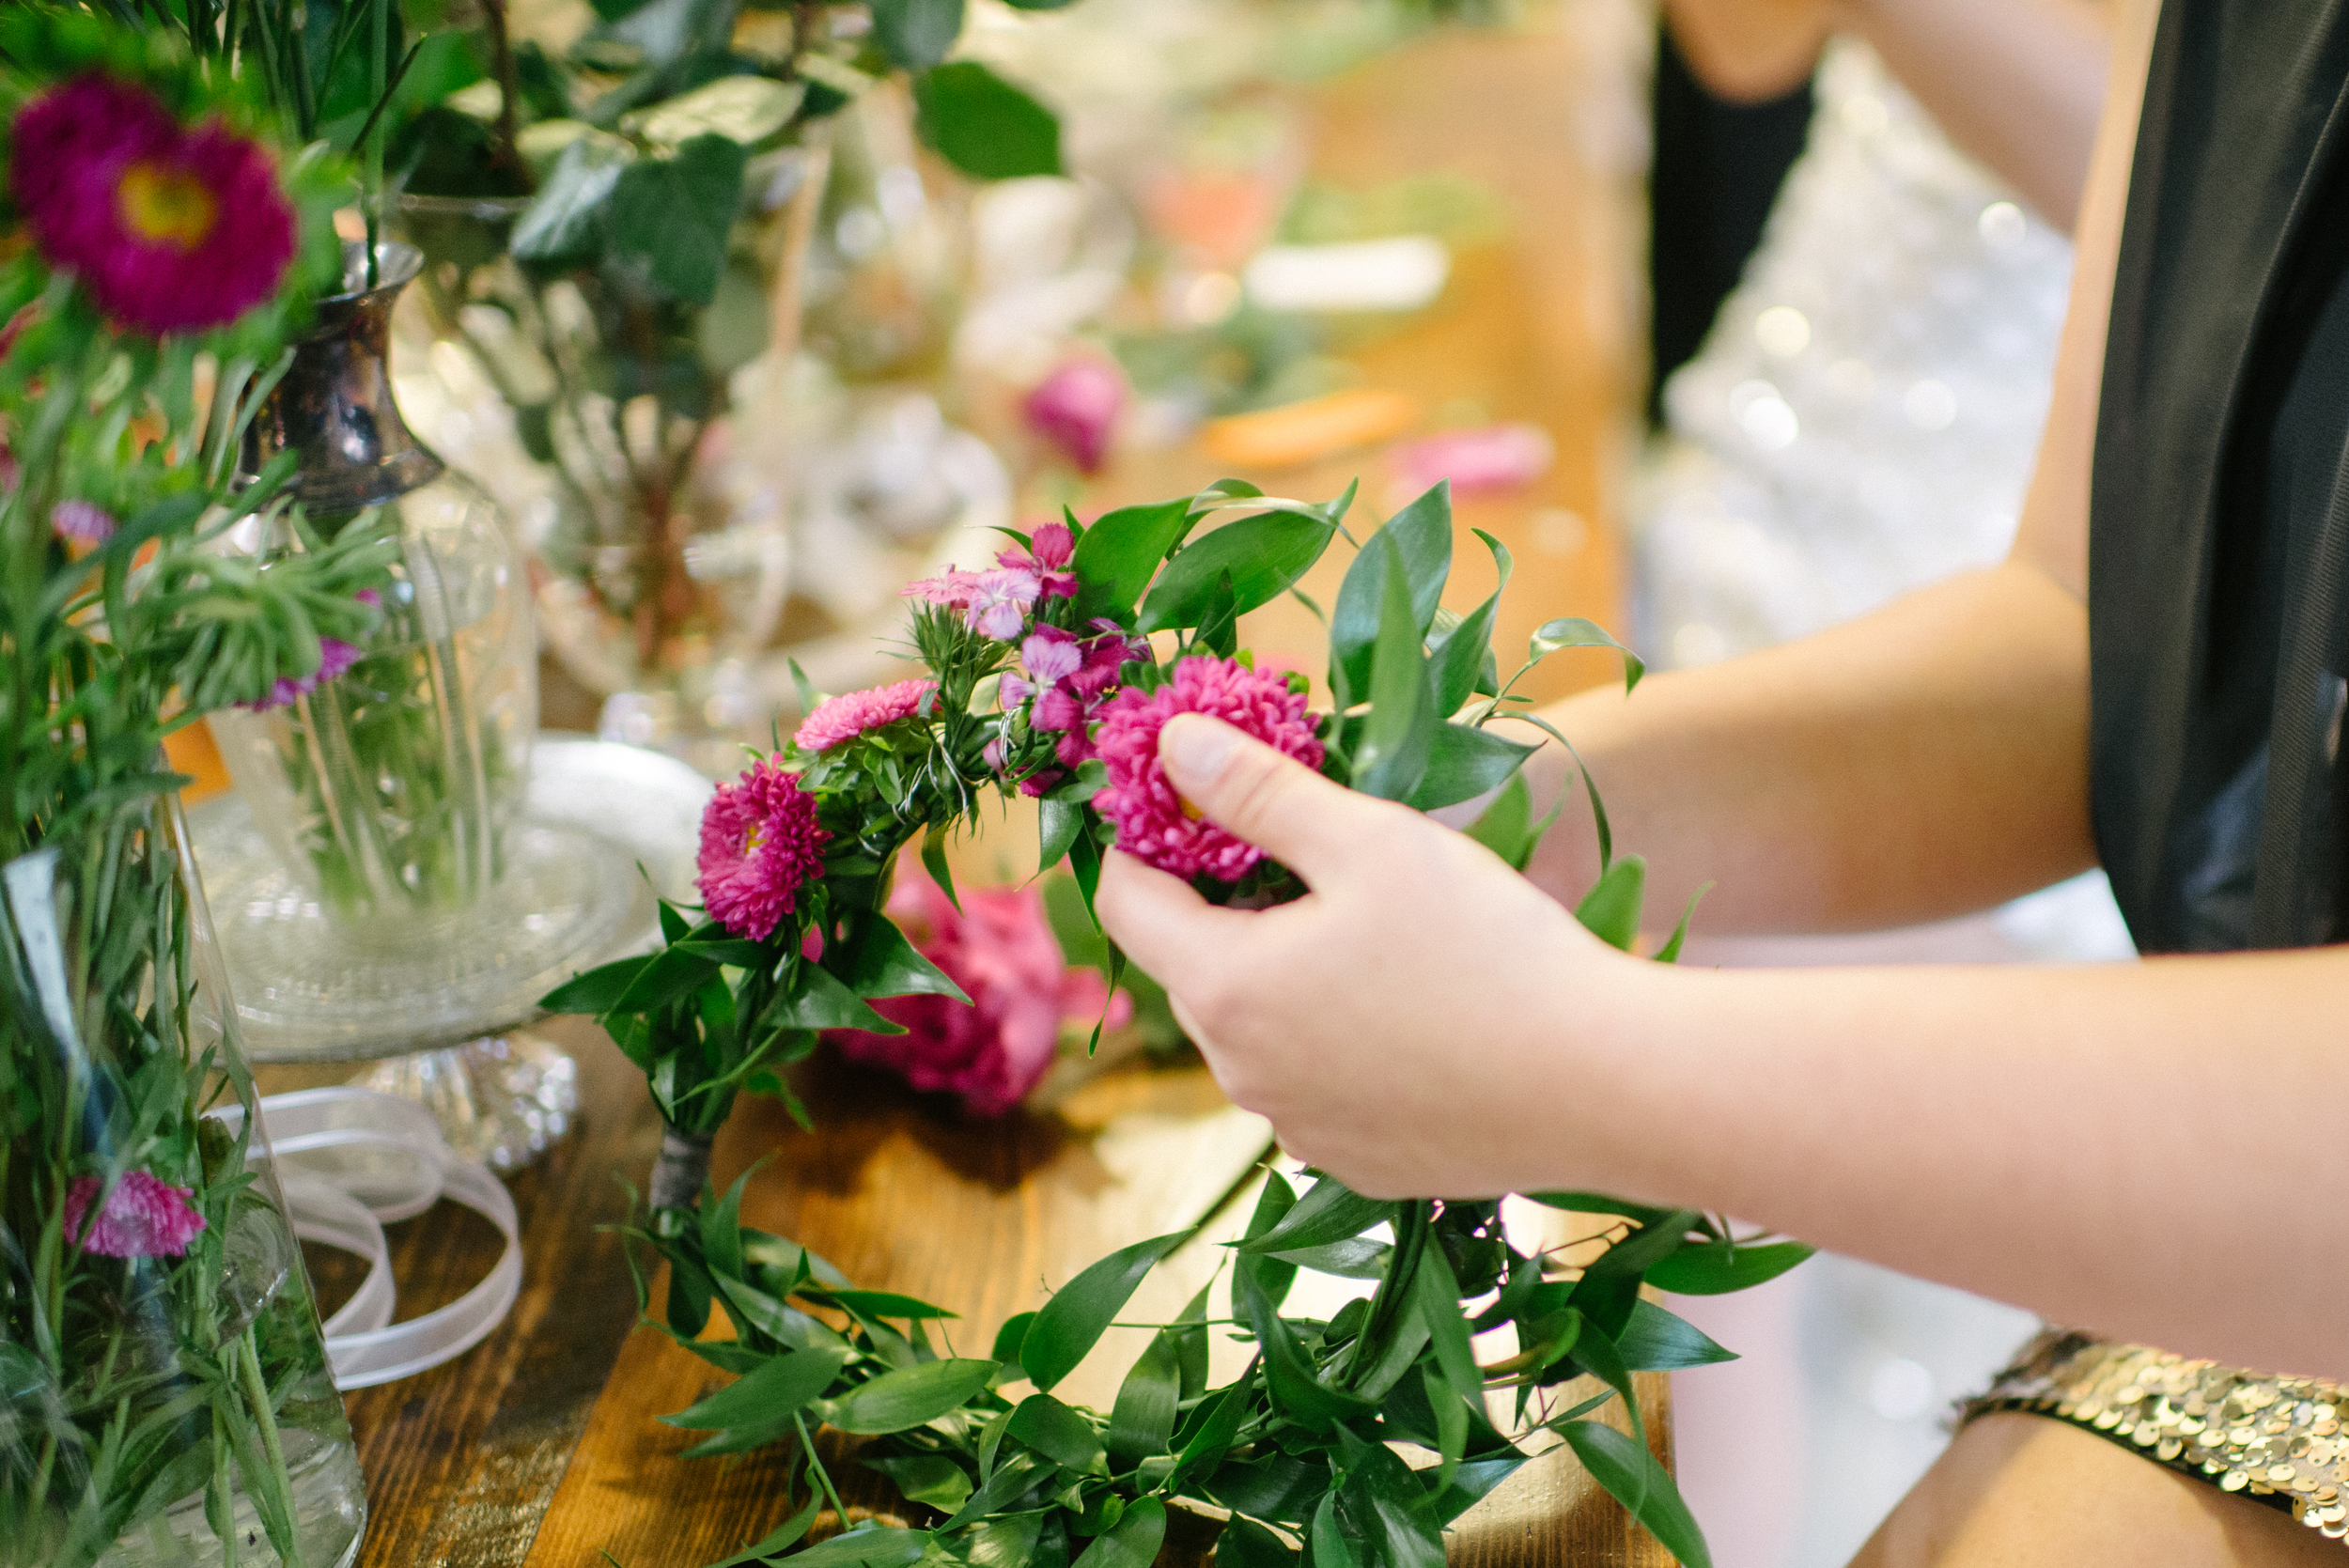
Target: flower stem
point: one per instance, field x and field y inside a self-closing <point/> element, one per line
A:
<point x="247" y="1356"/>
<point x="823" y="1475"/>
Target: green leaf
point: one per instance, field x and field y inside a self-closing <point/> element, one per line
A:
<point x="1399" y="737"/>
<point x="983" y="125"/>
<point x="1289" y="1373"/>
<point x="1472" y="1481"/>
<point x="1006" y="1540"/>
<point x="757" y="1407"/>
<point x="1384" y="1499"/>
<point x="1610" y="910"/>
<point x="1670" y="952"/>
<point x="672" y="217"/>
<point x="566" y="223"/>
<point x="926" y="1477"/>
<point x="1420" y="535"/>
<point x="1436" y="1295"/>
<point x="743" y="109"/>
<point x="934" y="861"/>
<point x="1573" y="631"/>
<point x="1069" y="1326"/>
<point x="873" y="1548"/>
<point x="1632" y="1477"/>
<point x="916" y="34"/>
<point x="672" y="974"/>
<point x="1135" y="1540"/>
<point x="1246" y="1543"/>
<point x="880" y="1304"/>
<point x="1464" y="655"/>
<point x="817" y="1000"/>
<point x="1650" y="1245"/>
<point x="1263" y="555"/>
<point x="1143" y="1421"/>
<point x="595" y="990"/>
<point x="1355" y="1258"/>
<point x="1330" y="1211"/>
<point x="1009" y="1338"/>
<point x="781" y="1539"/>
<point x="1658" y="1340"/>
<point x="1463" y="763"/>
<point x="1708" y="1271"/>
<point x="1327" y="1543"/>
<point x="1058" y="822"/>
<point x="1118" y="554"/>
<point x="1505" y="826"/>
<point x="877" y="960"/>
<point x="1277" y="1199"/>
<point x="1599" y="1202"/>
<point x="1059" y="1434"/>
<point x="907" y="1397"/>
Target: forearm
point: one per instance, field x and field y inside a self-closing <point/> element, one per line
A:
<point x="1922" y="762"/>
<point x="2118" y="1147"/>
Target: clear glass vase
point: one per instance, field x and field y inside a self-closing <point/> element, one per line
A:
<point x="390" y="789"/>
<point x="169" y="1403"/>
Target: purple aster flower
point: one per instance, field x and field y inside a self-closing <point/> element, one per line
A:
<point x="143" y="1217"/>
<point x="170" y="229"/>
<point x="760" y="845"/>
<point x="1076" y="408"/>
<point x="844" y="718"/>
<point x="1154" y="823"/>
<point x="81" y="522"/>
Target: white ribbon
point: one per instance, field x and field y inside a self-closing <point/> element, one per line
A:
<point x="349" y="1160"/>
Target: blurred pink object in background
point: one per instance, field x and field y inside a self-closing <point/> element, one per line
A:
<point x="1076" y="408"/>
<point x="1498" y="458"/>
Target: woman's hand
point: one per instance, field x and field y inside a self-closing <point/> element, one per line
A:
<point x="1403" y="1024"/>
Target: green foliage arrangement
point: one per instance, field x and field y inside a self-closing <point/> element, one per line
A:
<point x="1041" y="676"/>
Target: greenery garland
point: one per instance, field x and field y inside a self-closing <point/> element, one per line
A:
<point x="1039" y="673"/>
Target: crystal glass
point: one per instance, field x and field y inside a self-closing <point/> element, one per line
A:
<point x="169" y="1402"/>
<point x="390" y="789"/>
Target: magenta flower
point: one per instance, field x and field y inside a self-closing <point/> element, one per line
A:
<point x="1067" y="707"/>
<point x="1154" y="824"/>
<point x="1076" y="408"/>
<point x="844" y="718"/>
<point x="143" y="1216"/>
<point x="170" y="229"/>
<point x="1000" y="949"/>
<point x="81" y="522"/>
<point x="760" y="845"/>
<point x="1050" y="654"/>
<point x="1055" y="550"/>
<point x="335" y="657"/>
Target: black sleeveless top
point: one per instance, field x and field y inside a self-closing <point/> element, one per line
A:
<point x="2218" y="544"/>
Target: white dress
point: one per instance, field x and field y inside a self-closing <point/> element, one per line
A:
<point x="1861" y="422"/>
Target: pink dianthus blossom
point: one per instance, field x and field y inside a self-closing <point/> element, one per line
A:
<point x="170" y="229"/>
<point x="143" y="1216"/>
<point x="999" y="600"/>
<point x="844" y="718"/>
<point x="1048" y="561"/>
<point x="1076" y="408"/>
<point x="1000" y="949"/>
<point x="760" y="845"/>
<point x="1154" y="823"/>
<point x="950" y="589"/>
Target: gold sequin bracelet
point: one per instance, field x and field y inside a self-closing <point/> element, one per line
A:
<point x="2278" y="1439"/>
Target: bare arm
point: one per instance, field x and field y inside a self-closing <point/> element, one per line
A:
<point x="2016" y="82"/>
<point x="1923" y="761"/>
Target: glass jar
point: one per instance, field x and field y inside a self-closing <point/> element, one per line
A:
<point x="169" y="1403"/>
<point x="390" y="788"/>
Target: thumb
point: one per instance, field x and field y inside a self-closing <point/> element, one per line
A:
<point x="1275" y="802"/>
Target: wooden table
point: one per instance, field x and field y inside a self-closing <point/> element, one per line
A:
<point x="540" y="1447"/>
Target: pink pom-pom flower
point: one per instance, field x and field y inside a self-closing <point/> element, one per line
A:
<point x="760" y="845"/>
<point x="1000" y="949"/>
<point x="1154" y="823"/>
<point x="844" y="718"/>
<point x="143" y="1217"/>
<point x="170" y="229"/>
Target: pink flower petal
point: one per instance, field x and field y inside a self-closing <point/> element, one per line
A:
<point x="143" y="1216"/>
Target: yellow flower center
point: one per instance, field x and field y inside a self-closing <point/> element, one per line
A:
<point x="167" y="205"/>
<point x="1189" y="810"/>
<point x="756" y="836"/>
